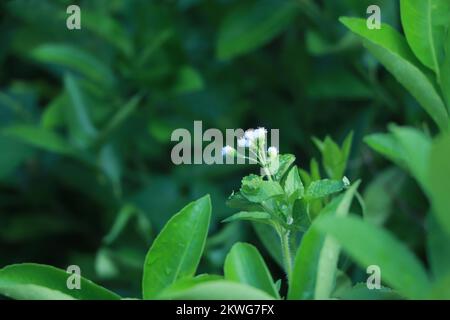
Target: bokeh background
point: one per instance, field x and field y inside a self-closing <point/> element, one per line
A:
<point x="86" y="117"/>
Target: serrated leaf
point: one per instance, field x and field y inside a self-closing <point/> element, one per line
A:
<point x="322" y="188"/>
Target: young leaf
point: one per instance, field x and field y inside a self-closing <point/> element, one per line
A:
<point x="391" y="49"/>
<point x="284" y="163"/>
<point x="257" y="216"/>
<point x="399" y="267"/>
<point x="217" y="290"/>
<point x="293" y="186"/>
<point x="176" y="251"/>
<point x="251" y="26"/>
<point x="30" y="281"/>
<point x="255" y="189"/>
<point x="424" y="23"/>
<point x="244" y="264"/>
<point x="322" y="188"/>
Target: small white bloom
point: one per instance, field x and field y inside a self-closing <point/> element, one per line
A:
<point x="249" y="134"/>
<point x="290" y="220"/>
<point x="272" y="152"/>
<point x="242" y="142"/>
<point x="260" y="133"/>
<point x="228" y="150"/>
<point x="346" y="181"/>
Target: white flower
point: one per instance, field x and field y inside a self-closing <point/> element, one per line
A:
<point x="249" y="134"/>
<point x="228" y="150"/>
<point x="242" y="142"/>
<point x="260" y="133"/>
<point x="345" y="181"/>
<point x="272" y="152"/>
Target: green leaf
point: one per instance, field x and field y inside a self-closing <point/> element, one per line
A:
<point x="252" y="25"/>
<point x="74" y="59"/>
<point x="391" y="49"/>
<point x="438" y="250"/>
<point x="255" y="189"/>
<point x="284" y="163"/>
<point x="445" y="73"/>
<point x="329" y="254"/>
<point x="245" y="265"/>
<point x="304" y="274"/>
<point x="399" y="267"/>
<point x="380" y="194"/>
<point x="176" y="251"/>
<point x="414" y="147"/>
<point x="424" y="23"/>
<point x="322" y="188"/>
<point x="293" y="185"/>
<point x="218" y="290"/>
<point x="39" y="137"/>
<point x="183" y="284"/>
<point x="31" y="281"/>
<point x="257" y="216"/>
<point x="361" y="292"/>
<point x="385" y="144"/>
<point x="437" y="178"/>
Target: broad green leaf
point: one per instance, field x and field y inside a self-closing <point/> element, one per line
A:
<point x="238" y="201"/>
<point x="386" y="145"/>
<point x="322" y="188"/>
<point x="361" y="292"/>
<point x="438" y="249"/>
<point x="252" y="25"/>
<point x="257" y="216"/>
<point x="303" y="281"/>
<point x="329" y="254"/>
<point x="414" y="147"/>
<point x="245" y="265"/>
<point x="183" y="284"/>
<point x="39" y="137"/>
<point x="399" y="267"/>
<point x="441" y="289"/>
<point x="176" y="251"/>
<point x="31" y="281"/>
<point x="218" y="290"/>
<point x="293" y="186"/>
<point x="424" y="23"/>
<point x="380" y="194"/>
<point x="391" y="49"/>
<point x="437" y="180"/>
<point x="75" y="59"/>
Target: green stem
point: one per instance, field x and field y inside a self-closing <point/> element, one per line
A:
<point x="286" y="252"/>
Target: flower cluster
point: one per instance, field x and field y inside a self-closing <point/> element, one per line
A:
<point x="255" y="141"/>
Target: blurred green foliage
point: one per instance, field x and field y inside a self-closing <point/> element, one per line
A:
<point x="86" y="117"/>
